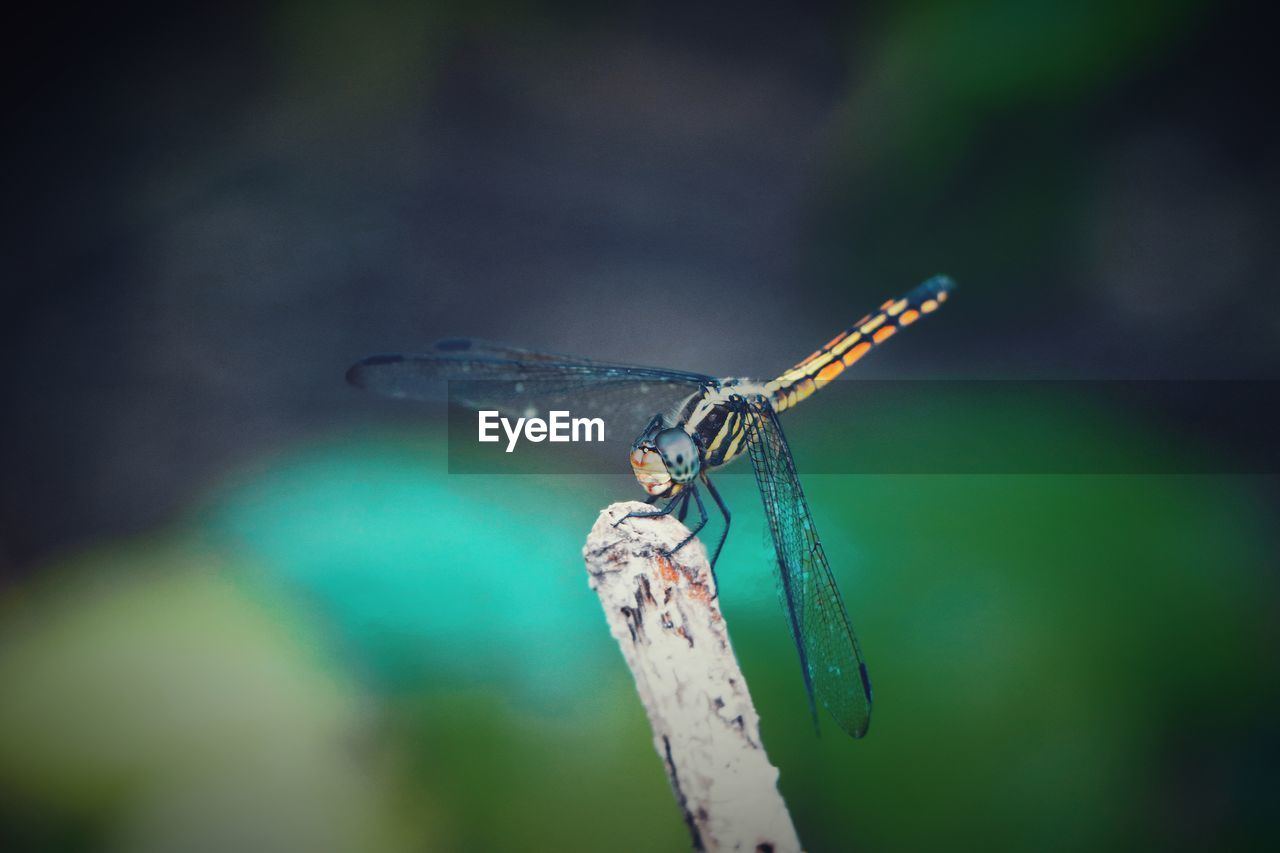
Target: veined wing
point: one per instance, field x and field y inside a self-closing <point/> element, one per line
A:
<point x="520" y="382"/>
<point x="834" y="672"/>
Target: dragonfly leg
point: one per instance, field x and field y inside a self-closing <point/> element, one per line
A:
<point x="725" y="511"/>
<point x="702" y="511"/>
<point x="666" y="510"/>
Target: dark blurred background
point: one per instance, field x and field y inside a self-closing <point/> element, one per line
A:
<point x="244" y="607"/>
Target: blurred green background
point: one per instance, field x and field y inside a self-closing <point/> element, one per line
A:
<point x="244" y="607"/>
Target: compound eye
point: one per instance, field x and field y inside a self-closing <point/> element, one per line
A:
<point x="680" y="452"/>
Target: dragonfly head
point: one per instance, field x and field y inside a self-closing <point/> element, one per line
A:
<point x="664" y="458"/>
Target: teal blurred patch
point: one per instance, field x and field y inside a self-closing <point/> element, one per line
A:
<point x="426" y="576"/>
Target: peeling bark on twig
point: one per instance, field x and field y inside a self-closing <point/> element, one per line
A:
<point x="662" y="610"/>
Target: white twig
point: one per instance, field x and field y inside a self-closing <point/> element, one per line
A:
<point x="664" y="614"/>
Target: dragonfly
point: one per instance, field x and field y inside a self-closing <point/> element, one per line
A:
<point x="713" y="422"/>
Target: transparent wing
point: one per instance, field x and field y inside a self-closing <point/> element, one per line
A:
<point x="521" y="383"/>
<point x="834" y="672"/>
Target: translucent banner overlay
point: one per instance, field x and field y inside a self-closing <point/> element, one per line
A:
<point x="903" y="427"/>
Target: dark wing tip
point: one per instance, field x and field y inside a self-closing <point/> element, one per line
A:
<point x="866" y="691"/>
<point x="356" y="373"/>
<point x="852" y="720"/>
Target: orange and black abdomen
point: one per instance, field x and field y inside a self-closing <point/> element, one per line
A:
<point x="855" y="342"/>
